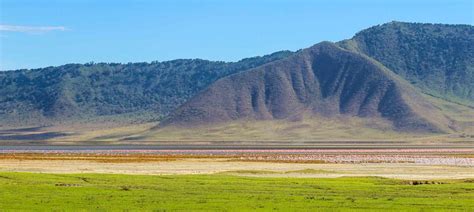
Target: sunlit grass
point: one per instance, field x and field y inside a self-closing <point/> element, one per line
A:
<point x="26" y="191"/>
<point x="308" y="129"/>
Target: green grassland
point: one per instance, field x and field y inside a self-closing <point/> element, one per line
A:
<point x="45" y="192"/>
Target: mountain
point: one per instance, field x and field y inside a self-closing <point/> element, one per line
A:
<point x="438" y="58"/>
<point x="145" y="91"/>
<point x="323" y="80"/>
<point x="391" y="79"/>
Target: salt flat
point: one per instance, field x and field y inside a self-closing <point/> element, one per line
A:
<point x="216" y="165"/>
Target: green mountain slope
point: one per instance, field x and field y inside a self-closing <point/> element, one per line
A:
<point x="75" y="91"/>
<point x="437" y="58"/>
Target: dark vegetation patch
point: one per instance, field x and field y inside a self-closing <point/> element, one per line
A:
<point x="423" y="182"/>
<point x="125" y="188"/>
<point x="33" y="137"/>
<point x="19" y="130"/>
<point x="134" y="138"/>
<point x="67" y="185"/>
<point x="5" y="177"/>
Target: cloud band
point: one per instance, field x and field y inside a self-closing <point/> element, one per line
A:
<point x="31" y="29"/>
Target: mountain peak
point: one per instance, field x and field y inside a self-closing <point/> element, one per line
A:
<point x="323" y="80"/>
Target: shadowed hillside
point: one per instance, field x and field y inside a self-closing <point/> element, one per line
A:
<point x="324" y="80"/>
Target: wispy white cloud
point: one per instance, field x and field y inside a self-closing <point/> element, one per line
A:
<point x="31" y="29"/>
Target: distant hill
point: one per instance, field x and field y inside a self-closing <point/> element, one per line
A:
<point x="323" y="80"/>
<point x="438" y="58"/>
<point x="417" y="77"/>
<point x="80" y="92"/>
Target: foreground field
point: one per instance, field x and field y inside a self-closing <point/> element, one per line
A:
<point x="182" y="178"/>
<point x="28" y="191"/>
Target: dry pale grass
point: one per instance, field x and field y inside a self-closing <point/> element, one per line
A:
<point x="308" y="129"/>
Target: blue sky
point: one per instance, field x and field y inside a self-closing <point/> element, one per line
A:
<point x="40" y="33"/>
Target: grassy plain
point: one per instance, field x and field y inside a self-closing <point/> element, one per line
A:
<point x="341" y="129"/>
<point x="311" y="129"/>
<point x="28" y="191"/>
